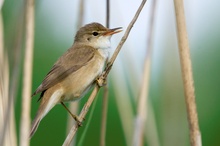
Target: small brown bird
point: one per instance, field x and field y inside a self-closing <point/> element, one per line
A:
<point x="76" y="71"/>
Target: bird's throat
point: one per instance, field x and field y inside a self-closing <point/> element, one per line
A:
<point x="103" y="42"/>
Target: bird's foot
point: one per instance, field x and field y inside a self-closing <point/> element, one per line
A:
<point x="101" y="81"/>
<point x="78" y="120"/>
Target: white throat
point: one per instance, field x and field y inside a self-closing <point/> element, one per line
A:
<point x="103" y="42"/>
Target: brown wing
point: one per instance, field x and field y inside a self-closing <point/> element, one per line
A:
<point x="70" y="62"/>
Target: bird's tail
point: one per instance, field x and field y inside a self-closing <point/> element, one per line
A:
<point x="35" y="124"/>
<point x="47" y="103"/>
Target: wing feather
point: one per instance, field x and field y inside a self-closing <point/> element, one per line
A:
<point x="71" y="61"/>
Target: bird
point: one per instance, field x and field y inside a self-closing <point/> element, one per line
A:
<point x="76" y="71"/>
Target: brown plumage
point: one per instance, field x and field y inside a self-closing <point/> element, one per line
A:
<point x="75" y="71"/>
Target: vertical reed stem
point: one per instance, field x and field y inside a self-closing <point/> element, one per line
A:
<point x="144" y="90"/>
<point x="184" y="52"/>
<point x="27" y="77"/>
<point x="105" y="96"/>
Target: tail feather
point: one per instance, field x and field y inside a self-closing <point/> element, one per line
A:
<point x="47" y="103"/>
<point x="35" y="124"/>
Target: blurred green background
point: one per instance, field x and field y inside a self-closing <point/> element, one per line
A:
<point x="55" y="26"/>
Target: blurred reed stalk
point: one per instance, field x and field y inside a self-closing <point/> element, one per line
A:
<point x="4" y="100"/>
<point x="7" y="122"/>
<point x="74" y="106"/>
<point x="142" y="107"/>
<point x="105" y="95"/>
<point x="81" y="14"/>
<point x="27" y="77"/>
<point x="186" y="67"/>
<point x="4" y="87"/>
<point x="151" y="131"/>
<point x="15" y="73"/>
<point x="104" y="116"/>
<point x="3" y="81"/>
<point x="103" y="77"/>
<point x="17" y="57"/>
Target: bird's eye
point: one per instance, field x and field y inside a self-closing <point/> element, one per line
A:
<point x="95" y="33"/>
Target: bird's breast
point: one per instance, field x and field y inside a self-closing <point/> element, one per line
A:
<point x="78" y="83"/>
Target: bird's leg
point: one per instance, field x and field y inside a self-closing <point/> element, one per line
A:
<point x="76" y="118"/>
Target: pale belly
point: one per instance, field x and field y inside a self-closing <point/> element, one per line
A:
<point x="78" y="83"/>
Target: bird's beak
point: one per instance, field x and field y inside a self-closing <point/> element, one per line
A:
<point x="112" y="31"/>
